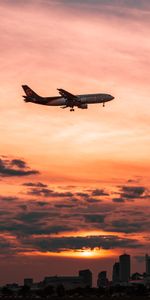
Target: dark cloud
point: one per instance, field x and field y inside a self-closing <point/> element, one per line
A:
<point x="33" y="226"/>
<point x="132" y="4"/>
<point x="35" y="222"/>
<point x="23" y="206"/>
<point x="31" y="221"/>
<point x="32" y="217"/>
<point x="65" y="194"/>
<point x="99" y="192"/>
<point x="94" y="218"/>
<point x="120" y="9"/>
<point x="8" y="198"/>
<point x="93" y="200"/>
<point x="88" y="198"/>
<point x="4" y="213"/>
<point x="127" y="226"/>
<point x="15" y="167"/>
<point x="138" y="4"/>
<point x="59" y="244"/>
<point x="6" y="247"/>
<point x="19" y="163"/>
<point x="42" y="203"/>
<point x="36" y="184"/>
<point x="132" y="192"/>
<point x="64" y="205"/>
<point x="45" y="192"/>
<point x="83" y="195"/>
<point x="118" y="200"/>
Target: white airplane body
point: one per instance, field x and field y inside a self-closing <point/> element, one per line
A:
<point x="66" y="99"/>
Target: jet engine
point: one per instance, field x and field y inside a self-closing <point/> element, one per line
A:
<point x="83" y="106"/>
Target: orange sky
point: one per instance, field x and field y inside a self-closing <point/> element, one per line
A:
<point x="83" y="47"/>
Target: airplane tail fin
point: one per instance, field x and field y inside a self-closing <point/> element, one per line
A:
<point x="30" y="96"/>
<point x="29" y="93"/>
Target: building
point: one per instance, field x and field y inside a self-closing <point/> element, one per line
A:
<point x="116" y="273"/>
<point x="147" y="263"/>
<point x="68" y="282"/>
<point x="124" y="269"/>
<point x="102" y="280"/>
<point x="28" y="282"/>
<point x="86" y="276"/>
<point x="137" y="276"/>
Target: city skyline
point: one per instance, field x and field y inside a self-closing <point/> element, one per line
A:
<point x="121" y="274"/>
<point x="74" y="186"/>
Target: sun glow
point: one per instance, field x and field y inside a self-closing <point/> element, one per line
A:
<point x="86" y="253"/>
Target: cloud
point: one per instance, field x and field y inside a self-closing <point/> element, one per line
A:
<point x="115" y="8"/>
<point x="6" y="246"/>
<point x="42" y="203"/>
<point x="33" y="227"/>
<point x="127" y="226"/>
<point x="132" y="192"/>
<point x="15" y="167"/>
<point x="93" y="200"/>
<point x="82" y="194"/>
<point x="59" y="244"/>
<point x="32" y="217"/>
<point x="35" y="184"/>
<point x="118" y="200"/>
<point x="27" y="223"/>
<point x="99" y="192"/>
<point x="64" y="205"/>
<point x="40" y="192"/>
<point x="94" y="218"/>
<point x="8" y="198"/>
<point x="19" y="163"/>
<point x="48" y="193"/>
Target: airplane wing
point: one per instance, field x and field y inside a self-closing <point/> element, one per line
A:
<point x="67" y="95"/>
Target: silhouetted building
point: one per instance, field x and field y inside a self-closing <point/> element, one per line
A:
<point x="14" y="287"/>
<point x="136" y="276"/>
<point x="87" y="277"/>
<point x="102" y="280"/>
<point x="116" y="273"/>
<point x="124" y="273"/>
<point x="28" y="282"/>
<point x="147" y="262"/>
<point x="68" y="282"/>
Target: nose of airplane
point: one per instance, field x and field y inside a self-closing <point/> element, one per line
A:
<point x="111" y="97"/>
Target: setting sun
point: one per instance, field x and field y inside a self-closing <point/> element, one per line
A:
<point x="87" y="253"/>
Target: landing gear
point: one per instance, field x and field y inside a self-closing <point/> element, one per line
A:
<point x="72" y="109"/>
<point x="103" y="104"/>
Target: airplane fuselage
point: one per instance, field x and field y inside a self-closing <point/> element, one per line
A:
<point x="85" y="99"/>
<point x="66" y="99"/>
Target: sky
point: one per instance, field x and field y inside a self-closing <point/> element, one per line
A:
<point x="74" y="186"/>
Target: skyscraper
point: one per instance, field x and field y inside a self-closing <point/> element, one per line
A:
<point x="147" y="262"/>
<point x="124" y="261"/>
<point x="102" y="280"/>
<point x="116" y="273"/>
<point x="87" y="277"/>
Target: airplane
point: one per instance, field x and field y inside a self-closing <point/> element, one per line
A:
<point x="66" y="99"/>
